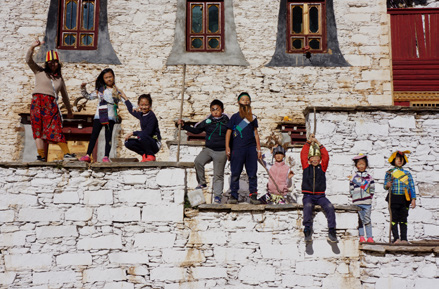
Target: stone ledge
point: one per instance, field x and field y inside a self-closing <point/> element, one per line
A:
<point x="408" y="249"/>
<point x="83" y="165"/>
<point x="245" y="207"/>
<point x="389" y="108"/>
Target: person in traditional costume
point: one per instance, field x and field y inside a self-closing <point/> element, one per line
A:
<point x="402" y="194"/>
<point x="243" y="147"/>
<point x="362" y="189"/>
<point x="315" y="159"/>
<point x="282" y="175"/>
<point x="45" y="115"/>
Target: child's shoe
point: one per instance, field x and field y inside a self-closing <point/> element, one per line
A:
<point x="362" y="239"/>
<point x="308" y="234"/>
<point x="217" y="200"/>
<point x="201" y="186"/>
<point x="254" y="199"/>
<point x="233" y="200"/>
<point x="85" y="158"/>
<point x="370" y="240"/>
<point x="143" y="159"/>
<point x="70" y="157"/>
<point x="332" y="237"/>
<point x="150" y="158"/>
<point x="41" y="159"/>
<point x="106" y="160"/>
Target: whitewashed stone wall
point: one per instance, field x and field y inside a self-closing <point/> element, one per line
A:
<point x="142" y="34"/>
<point x="378" y="132"/>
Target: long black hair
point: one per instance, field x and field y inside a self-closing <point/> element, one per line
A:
<point x="47" y="69"/>
<point x="100" y="80"/>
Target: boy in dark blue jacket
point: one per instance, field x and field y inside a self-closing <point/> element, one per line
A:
<point x="215" y="150"/>
<point x="315" y="160"/>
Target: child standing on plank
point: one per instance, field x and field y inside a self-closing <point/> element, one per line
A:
<point x="106" y="112"/>
<point x="362" y="189"/>
<point x="215" y="127"/>
<point x="243" y="148"/>
<point x="403" y="194"/>
<point x="315" y="160"/>
<point x="147" y="141"/>
<point x="282" y="174"/>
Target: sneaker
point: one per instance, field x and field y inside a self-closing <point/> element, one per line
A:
<point x="41" y="159"/>
<point x="396" y="241"/>
<point x="370" y="240"/>
<point x="143" y="159"/>
<point x="70" y="157"/>
<point x="85" y="158"/>
<point x="362" y="239"/>
<point x="217" y="200"/>
<point x="254" y="199"/>
<point x="332" y="237"/>
<point x="106" y="160"/>
<point x="233" y="201"/>
<point x="200" y="187"/>
<point x="308" y="234"/>
<point x="147" y="158"/>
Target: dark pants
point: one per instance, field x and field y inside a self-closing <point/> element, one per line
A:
<point x="239" y="158"/>
<point x="400" y="213"/>
<point x="145" y="146"/>
<point x="309" y="201"/>
<point x="97" y="126"/>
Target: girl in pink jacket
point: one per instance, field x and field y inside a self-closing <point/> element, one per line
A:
<point x="282" y="174"/>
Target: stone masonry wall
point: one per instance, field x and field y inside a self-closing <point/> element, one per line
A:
<point x="142" y="34"/>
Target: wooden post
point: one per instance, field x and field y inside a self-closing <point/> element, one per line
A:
<point x="181" y="112"/>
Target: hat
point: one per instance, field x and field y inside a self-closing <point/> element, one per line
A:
<point x="278" y="150"/>
<point x="359" y="157"/>
<point x="51" y="55"/>
<point x="314" y="151"/>
<point x="242" y="94"/>
<point x="401" y="154"/>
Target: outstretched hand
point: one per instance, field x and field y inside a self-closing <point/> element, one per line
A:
<point x="36" y="43"/>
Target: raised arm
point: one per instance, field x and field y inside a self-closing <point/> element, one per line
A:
<point x="29" y="56"/>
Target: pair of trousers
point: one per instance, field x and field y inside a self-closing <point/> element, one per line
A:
<point x="97" y="126"/>
<point x="239" y="158"/>
<point x="400" y="213"/>
<point x="144" y="146"/>
<point x="219" y="159"/>
<point x="364" y="220"/>
<point x="309" y="201"/>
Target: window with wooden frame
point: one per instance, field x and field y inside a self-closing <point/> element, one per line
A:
<point x="78" y="24"/>
<point x="306" y="26"/>
<point x="205" y="26"/>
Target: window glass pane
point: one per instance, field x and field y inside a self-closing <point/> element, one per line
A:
<point x="71" y="12"/>
<point x="88" y="15"/>
<point x="297" y="43"/>
<point x="86" y="39"/>
<point x="69" y="39"/>
<point x="213" y="43"/>
<point x="197" y="18"/>
<point x="314" y="19"/>
<point x="314" y="43"/>
<point x="297" y="19"/>
<point x="213" y="18"/>
<point x="197" y="43"/>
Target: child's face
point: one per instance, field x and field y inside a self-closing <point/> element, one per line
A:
<point x="216" y="110"/>
<point x="361" y="165"/>
<point x="144" y="105"/>
<point x="109" y="79"/>
<point x="279" y="157"/>
<point x="244" y="100"/>
<point x="398" y="161"/>
<point x="314" y="161"/>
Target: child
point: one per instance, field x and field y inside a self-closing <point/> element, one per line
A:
<point x="106" y="112"/>
<point x="147" y="141"/>
<point x="315" y="159"/>
<point x="362" y="188"/>
<point x="403" y="194"/>
<point x="282" y="174"/>
<point x="243" y="147"/>
<point x="215" y="150"/>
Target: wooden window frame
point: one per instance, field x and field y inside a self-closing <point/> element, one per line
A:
<point x="78" y="31"/>
<point x="306" y="35"/>
<point x="204" y="35"/>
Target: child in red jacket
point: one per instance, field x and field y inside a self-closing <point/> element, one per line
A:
<point x="315" y="159"/>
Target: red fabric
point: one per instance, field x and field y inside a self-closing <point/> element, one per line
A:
<point x="279" y="172"/>
<point x="45" y="119"/>
<point x="304" y="157"/>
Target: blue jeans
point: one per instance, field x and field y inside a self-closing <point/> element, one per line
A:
<point x="309" y="201"/>
<point x="239" y="158"/>
<point x="364" y="220"/>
